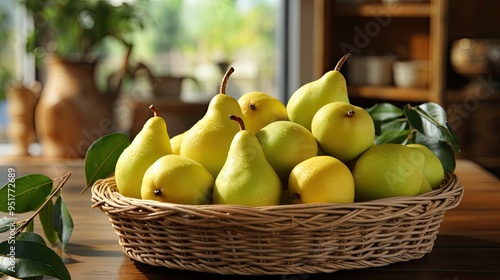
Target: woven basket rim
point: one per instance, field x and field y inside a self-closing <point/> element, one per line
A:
<point x="105" y="191"/>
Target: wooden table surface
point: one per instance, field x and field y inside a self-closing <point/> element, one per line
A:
<point x="467" y="247"/>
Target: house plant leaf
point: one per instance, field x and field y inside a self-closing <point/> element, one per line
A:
<point x="31" y="259"/>
<point x="30" y="192"/>
<point x="102" y="156"/>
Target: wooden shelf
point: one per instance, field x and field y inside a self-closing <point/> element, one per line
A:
<point x="371" y="10"/>
<point x="389" y="93"/>
<point x="416" y="32"/>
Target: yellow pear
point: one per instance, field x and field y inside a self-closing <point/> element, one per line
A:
<point x="246" y="177"/>
<point x="343" y="130"/>
<point x="151" y="143"/>
<point x="309" y="98"/>
<point x="260" y="109"/>
<point x="286" y="144"/>
<point x="176" y="142"/>
<point x="388" y="170"/>
<point x="208" y="141"/>
<point x="177" y="179"/>
<point x="433" y="170"/>
<point x="321" y="179"/>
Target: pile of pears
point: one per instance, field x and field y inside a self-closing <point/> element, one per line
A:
<point x="255" y="151"/>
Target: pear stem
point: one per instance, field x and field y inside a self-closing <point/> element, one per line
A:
<point x="152" y="108"/>
<point x="341" y="61"/>
<point x="225" y="79"/>
<point x="350" y="113"/>
<point x="238" y="120"/>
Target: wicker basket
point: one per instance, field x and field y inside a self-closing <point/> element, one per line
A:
<point x="288" y="239"/>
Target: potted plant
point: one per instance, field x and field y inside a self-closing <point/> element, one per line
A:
<point x="72" y="112"/>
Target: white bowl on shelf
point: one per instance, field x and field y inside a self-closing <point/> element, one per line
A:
<point x="411" y="73"/>
<point x="372" y="70"/>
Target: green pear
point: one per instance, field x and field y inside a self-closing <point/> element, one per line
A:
<point x="247" y="178"/>
<point x="208" y="140"/>
<point x="286" y="144"/>
<point x="433" y="170"/>
<point x="309" y="98"/>
<point x="177" y="179"/>
<point x="343" y="130"/>
<point x="388" y="170"/>
<point x="425" y="188"/>
<point x="260" y="109"/>
<point x="151" y="143"/>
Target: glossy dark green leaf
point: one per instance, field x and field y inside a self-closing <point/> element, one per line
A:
<point x="434" y="124"/>
<point x="63" y="223"/>
<point x="384" y="112"/>
<point x="413" y="118"/>
<point x="31" y="236"/>
<point x="28" y="193"/>
<point x="394" y="125"/>
<point x="398" y="137"/>
<point x="102" y="156"/>
<point x="32" y="259"/>
<point x="30" y="227"/>
<point x="46" y="219"/>
<point x="442" y="150"/>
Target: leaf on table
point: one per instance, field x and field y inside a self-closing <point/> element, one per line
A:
<point x="102" y="156"/>
<point x="30" y="236"/>
<point x="46" y="219"/>
<point x="62" y="221"/>
<point x="32" y="259"/>
<point x="30" y="193"/>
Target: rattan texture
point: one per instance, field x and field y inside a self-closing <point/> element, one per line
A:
<point x="287" y="239"/>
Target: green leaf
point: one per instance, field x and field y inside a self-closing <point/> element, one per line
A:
<point x="31" y="259"/>
<point x="63" y="224"/>
<point x="397" y="124"/>
<point x="46" y="219"/>
<point x="398" y="137"/>
<point x="442" y="150"/>
<point x="30" y="227"/>
<point x="413" y="118"/>
<point x="30" y="236"/>
<point x="382" y="112"/>
<point x="102" y="156"/>
<point x="434" y="124"/>
<point x="28" y="193"/>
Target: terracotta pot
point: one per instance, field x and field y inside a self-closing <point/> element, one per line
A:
<point x="21" y="109"/>
<point x="71" y="113"/>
